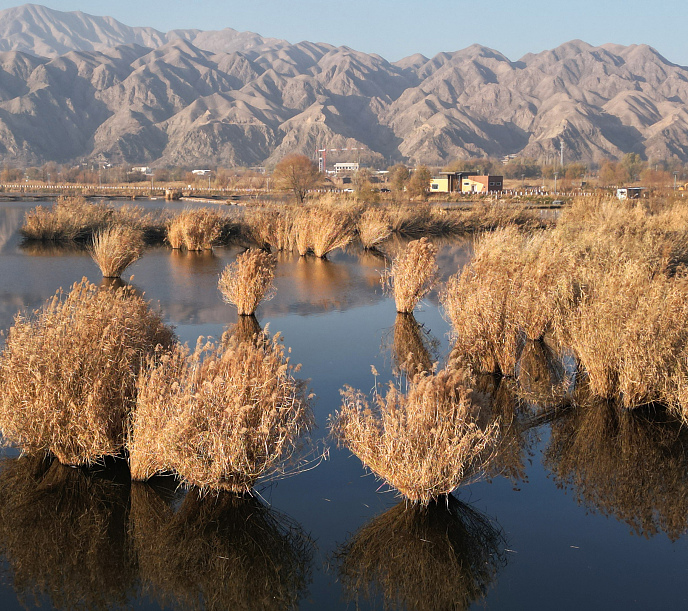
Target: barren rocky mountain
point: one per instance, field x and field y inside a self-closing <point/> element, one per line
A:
<point x="74" y="86"/>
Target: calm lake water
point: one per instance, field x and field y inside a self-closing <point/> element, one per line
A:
<point x="593" y="521"/>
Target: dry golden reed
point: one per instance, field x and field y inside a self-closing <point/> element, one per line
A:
<point x="508" y="293"/>
<point x="607" y="282"/>
<point x="322" y="228"/>
<point x="425" y="442"/>
<point x="75" y="219"/>
<point x="116" y="248"/>
<point x="412" y="275"/>
<point x="374" y="227"/>
<point x="217" y="552"/>
<point x="68" y="373"/>
<point x="272" y="227"/>
<point x="195" y="229"/>
<point x="249" y="280"/>
<point x="220" y="417"/>
<point x="444" y="556"/>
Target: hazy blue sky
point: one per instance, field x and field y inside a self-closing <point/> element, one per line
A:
<point x="396" y="28"/>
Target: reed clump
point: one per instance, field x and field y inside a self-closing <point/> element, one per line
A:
<point x="69" y="219"/>
<point x="425" y="442"/>
<point x="374" y="227"/>
<point x="116" y="248"/>
<point x="510" y="292"/>
<point x="443" y="556"/>
<point x="216" y="552"/>
<point x="322" y="228"/>
<point x="607" y="282"/>
<point x="272" y="227"/>
<point x="195" y="229"/>
<point x="63" y="534"/>
<point x="249" y="280"/>
<point x="68" y="372"/>
<point x="74" y="219"/>
<point x="412" y="275"/>
<point x="221" y="416"/>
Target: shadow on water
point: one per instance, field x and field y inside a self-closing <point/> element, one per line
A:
<point x="221" y="551"/>
<point x="444" y="556"/>
<point x="630" y="465"/>
<point x="63" y="534"/>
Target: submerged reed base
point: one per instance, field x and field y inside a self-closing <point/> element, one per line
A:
<point x="425" y="443"/>
<point x="68" y="372"/>
<point x="220" y="417"/>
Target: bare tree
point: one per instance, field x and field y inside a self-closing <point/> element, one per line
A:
<point x="296" y="173"/>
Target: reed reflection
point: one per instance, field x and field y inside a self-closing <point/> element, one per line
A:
<point x="628" y="464"/>
<point x="221" y="551"/>
<point x="63" y="534"/>
<point x="414" y="348"/>
<point x="443" y="556"/>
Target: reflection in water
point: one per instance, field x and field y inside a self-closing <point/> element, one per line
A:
<point x="36" y="248"/>
<point x="414" y="349"/>
<point x="247" y="329"/>
<point x="517" y="426"/>
<point x="627" y="464"/>
<point x="63" y="533"/>
<point x="10" y="221"/>
<point x="218" y="552"/>
<point x="541" y="374"/>
<point x="444" y="556"/>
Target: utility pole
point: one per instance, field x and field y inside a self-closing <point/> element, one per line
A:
<point x="556" y="175"/>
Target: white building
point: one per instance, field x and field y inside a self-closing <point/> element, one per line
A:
<point x="345" y="167"/>
<point x="201" y="172"/>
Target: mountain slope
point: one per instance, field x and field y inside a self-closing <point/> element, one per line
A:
<point x="75" y="86"/>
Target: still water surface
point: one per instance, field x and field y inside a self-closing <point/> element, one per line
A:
<point x="595" y="523"/>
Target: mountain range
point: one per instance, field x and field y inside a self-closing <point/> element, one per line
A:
<point x="76" y="87"/>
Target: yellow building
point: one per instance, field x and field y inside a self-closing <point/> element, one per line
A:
<point x="481" y="184"/>
<point x="439" y="184"/>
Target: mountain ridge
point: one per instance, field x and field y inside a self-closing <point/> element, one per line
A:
<point x="74" y="86"/>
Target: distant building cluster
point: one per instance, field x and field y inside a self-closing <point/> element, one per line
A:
<point x="465" y="182"/>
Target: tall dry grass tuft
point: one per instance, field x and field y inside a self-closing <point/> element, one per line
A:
<point x="510" y="292"/>
<point x="68" y="373"/>
<point x="374" y="227"/>
<point x="272" y="227"/>
<point x="444" y="556"/>
<point x="70" y="218"/>
<point x="75" y="219"/>
<point x="218" y="552"/>
<point x="249" y="280"/>
<point x="195" y="229"/>
<point x="322" y="228"/>
<point x="63" y="535"/>
<point x="116" y="248"/>
<point x="630" y="465"/>
<point x="412" y="275"/>
<point x="425" y="443"/>
<point x="220" y="417"/>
